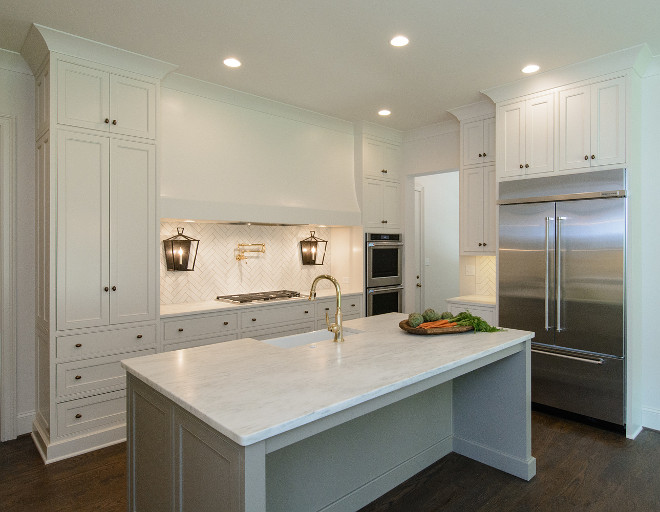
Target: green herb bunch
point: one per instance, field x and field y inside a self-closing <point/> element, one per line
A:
<point x="467" y="319"/>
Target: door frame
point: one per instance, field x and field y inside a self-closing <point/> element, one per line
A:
<point x="8" y="311"/>
<point x="419" y="239"/>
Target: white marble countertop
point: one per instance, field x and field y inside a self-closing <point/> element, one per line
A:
<point x="250" y="391"/>
<point x="488" y="300"/>
<point x="209" y="306"/>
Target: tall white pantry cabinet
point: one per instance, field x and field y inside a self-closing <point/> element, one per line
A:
<point x="97" y="239"/>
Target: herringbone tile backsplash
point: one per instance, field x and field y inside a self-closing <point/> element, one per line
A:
<point x="485" y="275"/>
<point x="217" y="272"/>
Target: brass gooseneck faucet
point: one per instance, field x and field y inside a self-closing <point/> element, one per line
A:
<point x="335" y="327"/>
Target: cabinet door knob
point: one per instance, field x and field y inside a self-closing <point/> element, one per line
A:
<point x="384" y="171"/>
<point x="593" y="157"/>
<point x="225" y="323"/>
<point x="419" y="285"/>
<point x="586" y="157"/>
<point x="78" y="345"/>
<point x="306" y="312"/>
<point x="352" y="305"/>
<point x="526" y="166"/>
<point x="114" y="121"/>
<point x="480" y="244"/>
<point x="106" y="289"/>
<point x="78" y="377"/>
<point x="114" y="288"/>
<point x="139" y="336"/>
<point x="484" y="154"/>
<point x="521" y="166"/>
<point x="78" y="416"/>
<point x="480" y="155"/>
<point x="107" y="121"/>
<point x="254" y="319"/>
<point x="485" y="244"/>
<point x="180" y="329"/>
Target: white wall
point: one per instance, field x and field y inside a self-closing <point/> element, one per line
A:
<point x="17" y="99"/>
<point x="650" y="251"/>
<point x="440" y="227"/>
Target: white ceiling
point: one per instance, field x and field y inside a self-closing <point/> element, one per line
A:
<point x="334" y="57"/>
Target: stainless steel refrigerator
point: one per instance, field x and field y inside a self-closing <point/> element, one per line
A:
<point x="562" y="254"/>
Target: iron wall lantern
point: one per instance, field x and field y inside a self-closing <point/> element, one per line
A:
<point x="312" y="250"/>
<point x="180" y="251"/>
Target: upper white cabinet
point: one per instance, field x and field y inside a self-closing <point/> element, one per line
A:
<point x="526" y="137"/>
<point x="478" y="142"/>
<point x="99" y="100"/>
<point x="381" y="160"/>
<point x="381" y="205"/>
<point x="105" y="244"/>
<point x="477" y="210"/>
<point x="592" y="125"/>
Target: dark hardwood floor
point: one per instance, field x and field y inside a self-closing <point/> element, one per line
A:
<point x="579" y="468"/>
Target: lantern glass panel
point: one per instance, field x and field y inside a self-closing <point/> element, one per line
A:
<point x="312" y="250"/>
<point x="180" y="252"/>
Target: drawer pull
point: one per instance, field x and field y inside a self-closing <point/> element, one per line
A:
<point x="352" y="305"/>
<point x="180" y="329"/>
<point x="78" y="345"/>
<point x="139" y="336"/>
<point x="225" y="323"/>
<point x="78" y="416"/>
<point x="327" y="309"/>
<point x="306" y="312"/>
<point x="78" y="377"/>
<point x="254" y="319"/>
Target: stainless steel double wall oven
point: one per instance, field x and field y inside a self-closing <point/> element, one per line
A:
<point x="384" y="273"/>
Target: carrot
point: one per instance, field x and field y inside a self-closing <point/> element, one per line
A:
<point x="437" y="323"/>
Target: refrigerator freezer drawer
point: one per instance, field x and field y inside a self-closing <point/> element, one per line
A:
<point x="584" y="385"/>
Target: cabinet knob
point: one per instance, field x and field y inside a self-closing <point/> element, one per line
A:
<point x="419" y="285"/>
<point x="480" y="155"/>
<point x="139" y="336"/>
<point x="521" y="166"/>
<point x="106" y="289"/>
<point x="306" y="312"/>
<point x="78" y="416"/>
<point x="480" y="244"/>
<point x="114" y="121"/>
<point x="484" y="154"/>
<point x="225" y="323"/>
<point x="383" y="222"/>
<point x="526" y="166"/>
<point x="586" y="157"/>
<point x="107" y="121"/>
<point x="254" y="319"/>
<point x="384" y="171"/>
<point x="485" y="244"/>
<point x="352" y="305"/>
<point x="78" y="377"/>
<point x="593" y="157"/>
<point x="180" y="329"/>
<point x="78" y="345"/>
<point x="114" y="288"/>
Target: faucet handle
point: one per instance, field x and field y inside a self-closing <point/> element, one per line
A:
<point x="327" y="321"/>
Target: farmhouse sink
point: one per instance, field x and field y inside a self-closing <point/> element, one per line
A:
<point x="306" y="338"/>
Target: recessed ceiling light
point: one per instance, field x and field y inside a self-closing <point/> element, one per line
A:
<point x="530" y="68"/>
<point x="384" y="112"/>
<point x="232" y="62"/>
<point x="399" y="41"/>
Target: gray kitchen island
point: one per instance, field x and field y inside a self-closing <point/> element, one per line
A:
<point x="248" y="426"/>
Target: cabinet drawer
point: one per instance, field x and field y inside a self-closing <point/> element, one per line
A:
<point x="199" y="342"/>
<point x="93" y="374"/>
<point x="269" y="315"/>
<point x="279" y="331"/>
<point x="91" y="413"/>
<point x="200" y="326"/>
<point x="350" y="306"/>
<point x="81" y="346"/>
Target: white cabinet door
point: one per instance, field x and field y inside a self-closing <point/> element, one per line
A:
<point x="381" y="160"/>
<point x="392" y="161"/>
<point x="539" y="135"/>
<point x="574" y="128"/>
<point x="132" y="242"/>
<point x="472" y="210"/>
<point x="489" y="140"/>
<point x="608" y="122"/>
<point x="511" y="139"/>
<point x="391" y="206"/>
<point x="82" y="230"/>
<point x="489" y="222"/>
<point x="83" y="96"/>
<point x="473" y="143"/>
<point x="372" y="204"/>
<point x="132" y="107"/>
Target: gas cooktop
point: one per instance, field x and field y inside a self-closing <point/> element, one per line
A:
<point x="258" y="296"/>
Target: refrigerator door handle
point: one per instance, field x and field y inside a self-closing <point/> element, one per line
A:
<point x="547" y="272"/>
<point x="558" y="272"/>
<point x="598" y="360"/>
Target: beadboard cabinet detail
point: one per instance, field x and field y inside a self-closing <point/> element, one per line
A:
<point x="477" y="210"/>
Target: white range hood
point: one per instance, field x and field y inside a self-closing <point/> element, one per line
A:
<point x="230" y="156"/>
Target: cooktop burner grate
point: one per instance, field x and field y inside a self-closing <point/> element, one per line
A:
<point x="241" y="298"/>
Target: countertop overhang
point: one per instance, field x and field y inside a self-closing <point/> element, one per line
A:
<point x="250" y="391"/>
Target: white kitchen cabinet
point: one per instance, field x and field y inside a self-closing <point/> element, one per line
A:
<point x="485" y="311"/>
<point x="381" y="160"/>
<point x="526" y="137"/>
<point x="478" y="142"/>
<point x="96" y="99"/>
<point x="592" y="124"/>
<point x="381" y="207"/>
<point x="105" y="225"/>
<point x="477" y="210"/>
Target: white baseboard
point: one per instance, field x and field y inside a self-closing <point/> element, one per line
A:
<point x="24" y="422"/>
<point x="525" y="469"/>
<point x="651" y="418"/>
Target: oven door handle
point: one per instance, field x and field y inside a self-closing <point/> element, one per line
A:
<point x="384" y="289"/>
<point x="384" y="244"/>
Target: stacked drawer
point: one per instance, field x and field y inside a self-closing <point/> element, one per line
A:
<point x="351" y="307"/>
<point x="199" y="330"/>
<point x="90" y="382"/>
